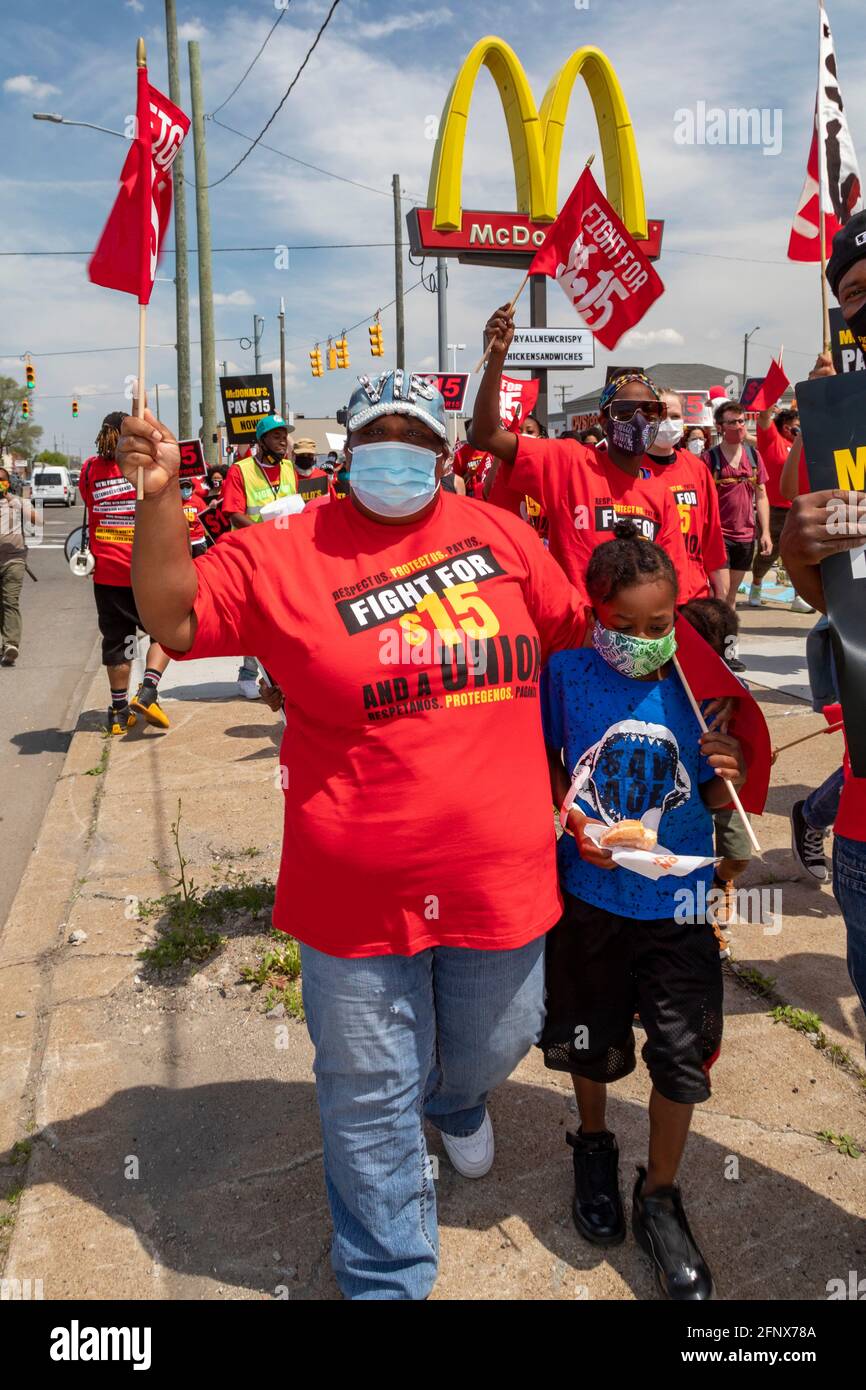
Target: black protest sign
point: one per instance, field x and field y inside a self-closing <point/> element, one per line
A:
<point x="245" y="400"/>
<point x="847" y="350"/>
<point x="833" y="421"/>
<point x="192" y="461"/>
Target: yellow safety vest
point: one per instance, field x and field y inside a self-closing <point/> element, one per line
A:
<point x="259" y="491"/>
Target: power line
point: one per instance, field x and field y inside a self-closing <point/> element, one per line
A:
<point x="193" y="250"/>
<point x="298" y="347"/>
<point x="80" y="352"/>
<point x="282" y="101"/>
<point x="329" y="173"/>
<point x="280" y="16"/>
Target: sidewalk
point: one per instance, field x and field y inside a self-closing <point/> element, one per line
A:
<point x="167" y="1130"/>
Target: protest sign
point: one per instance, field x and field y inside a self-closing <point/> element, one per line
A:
<point x="452" y="385"/>
<point x="192" y="460"/>
<point x="245" y="400"/>
<point x="845" y="347"/>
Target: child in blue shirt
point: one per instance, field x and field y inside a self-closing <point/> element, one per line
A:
<point x="624" y="743"/>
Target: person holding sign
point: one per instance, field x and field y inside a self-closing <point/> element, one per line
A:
<point x="820" y="525"/>
<point x="265" y="476"/>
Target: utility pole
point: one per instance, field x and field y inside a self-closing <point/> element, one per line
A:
<point x="538" y="319"/>
<point x="398" y="273"/>
<point x="442" y="306"/>
<point x="181" y="262"/>
<point x="282" y="357"/>
<point x="258" y="326"/>
<point x="203" y="241"/>
<point x="746" y="337"/>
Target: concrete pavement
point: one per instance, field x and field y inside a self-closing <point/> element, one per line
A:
<point x="174" y="1142"/>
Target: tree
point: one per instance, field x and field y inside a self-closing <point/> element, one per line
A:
<point x="53" y="458"/>
<point x="15" y="433"/>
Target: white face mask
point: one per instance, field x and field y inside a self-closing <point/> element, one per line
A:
<point x="670" y="432"/>
<point x="696" y="445"/>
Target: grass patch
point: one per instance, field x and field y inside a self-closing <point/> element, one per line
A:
<point x="802" y="1021"/>
<point x="190" y="915"/>
<point x="278" y="971"/>
<point x="761" y="984"/>
<point x="842" y="1143"/>
<point x="21" y="1151"/>
<point x="100" y="767"/>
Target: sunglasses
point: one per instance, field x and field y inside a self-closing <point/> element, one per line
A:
<point x="626" y="410"/>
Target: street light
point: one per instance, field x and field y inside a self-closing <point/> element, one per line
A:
<point x="455" y="348"/>
<point x="746" y="338"/>
<point x="61" y="120"/>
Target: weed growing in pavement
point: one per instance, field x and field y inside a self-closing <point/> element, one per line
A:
<point x="279" y="970"/>
<point x="21" y="1151"/>
<point x="842" y="1143"/>
<point x="802" y="1021"/>
<point x="101" y="765"/>
<point x="761" y="984"/>
<point x="189" y="914"/>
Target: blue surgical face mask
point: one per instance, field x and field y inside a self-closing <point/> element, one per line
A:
<point x="393" y="479"/>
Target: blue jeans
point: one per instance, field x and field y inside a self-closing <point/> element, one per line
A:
<point x="849" y="886"/>
<point x="821" y="806"/>
<point x="399" y="1039"/>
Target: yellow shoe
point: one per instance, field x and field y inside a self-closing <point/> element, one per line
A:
<point x="120" y="720"/>
<point x="144" y="702"/>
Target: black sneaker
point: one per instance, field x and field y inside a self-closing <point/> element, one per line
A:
<point x="597" y="1207"/>
<point x="661" y="1229"/>
<point x="807" y="845"/>
<point x="735" y="664"/>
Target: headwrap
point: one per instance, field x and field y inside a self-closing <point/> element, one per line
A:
<point x="616" y="382"/>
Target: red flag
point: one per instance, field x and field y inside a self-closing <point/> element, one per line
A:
<point x="711" y="679"/>
<point x="775" y="383"/>
<point x="598" y="264"/>
<point x="517" y="400"/>
<point x="126" y="256"/>
<point x="841" y="174"/>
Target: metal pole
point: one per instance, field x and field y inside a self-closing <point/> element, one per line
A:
<point x="283" y="357"/>
<point x="398" y="274"/>
<point x="158" y="416"/>
<point x="442" y="306"/>
<point x="181" y="263"/>
<point x="258" y="325"/>
<point x="205" y="278"/>
<point x="745" y="357"/>
<point x="538" y="319"/>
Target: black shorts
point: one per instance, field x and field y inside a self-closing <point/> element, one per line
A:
<point x="740" y="554"/>
<point x="118" y="621"/>
<point x="601" y="969"/>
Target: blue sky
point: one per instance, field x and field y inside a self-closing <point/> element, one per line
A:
<point x="363" y="109"/>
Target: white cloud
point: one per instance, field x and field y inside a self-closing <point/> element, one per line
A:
<point x="637" y="338"/>
<point x="191" y="29"/>
<point x="26" y="85"/>
<point x="237" y="298"/>
<point x="134" y="5"/>
<point x="383" y="28"/>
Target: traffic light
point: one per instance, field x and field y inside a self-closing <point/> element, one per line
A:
<point x="341" y="348"/>
<point x="316" y="362"/>
<point x="75" y="410"/>
<point x="377" y="348"/>
<point x="332" y="356"/>
<point x="25" y="409"/>
<point x="30" y="373"/>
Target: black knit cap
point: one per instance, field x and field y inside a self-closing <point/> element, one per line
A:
<point x="849" y="245"/>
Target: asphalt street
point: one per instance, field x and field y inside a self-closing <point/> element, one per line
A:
<point x="41" y="695"/>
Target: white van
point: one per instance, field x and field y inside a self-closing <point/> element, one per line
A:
<point x="52" y="484"/>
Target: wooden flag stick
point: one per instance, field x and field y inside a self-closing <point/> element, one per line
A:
<point x="480" y="363"/>
<point x="732" y="791"/>
<point x="822" y="193"/>
<point x="830" y="729"/>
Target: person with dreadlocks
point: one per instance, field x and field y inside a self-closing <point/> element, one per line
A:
<point x="626" y="753"/>
<point x="110" y="502"/>
<point x="583" y="491"/>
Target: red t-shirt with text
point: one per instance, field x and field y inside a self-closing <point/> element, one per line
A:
<point x="416" y="801"/>
<point x="110" y="502"/>
<point x="697" y="504"/>
<point x="584" y="494"/>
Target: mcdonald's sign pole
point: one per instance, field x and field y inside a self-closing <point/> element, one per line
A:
<point x="445" y="228"/>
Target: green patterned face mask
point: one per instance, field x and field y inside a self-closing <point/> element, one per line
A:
<point x="633" y="656"/>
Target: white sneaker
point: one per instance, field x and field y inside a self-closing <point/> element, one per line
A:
<point x="799" y="605"/>
<point x="755" y="599"/>
<point x="471" y="1155"/>
<point x="249" y="687"/>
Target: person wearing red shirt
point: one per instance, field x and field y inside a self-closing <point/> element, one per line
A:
<point x="775" y="437"/>
<point x="696" y="503"/>
<point x="473" y="466"/>
<point x="311" y="481"/>
<point x="407" y="629"/>
<point x="585" y="492"/>
<point x="194" y="504"/>
<point x="740" y="476"/>
<point x="109" y="498"/>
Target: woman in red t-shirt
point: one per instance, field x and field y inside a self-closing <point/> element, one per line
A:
<point x="407" y="629"/>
